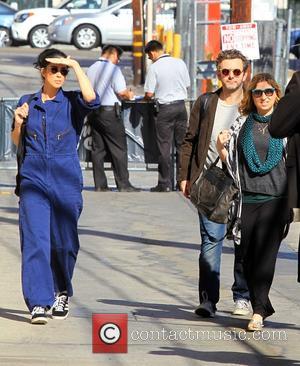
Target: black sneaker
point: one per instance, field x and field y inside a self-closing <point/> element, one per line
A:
<point x="39" y="315"/>
<point x="159" y="188"/>
<point x="60" y="309"/>
<point x="129" y="189"/>
<point x="102" y="189"/>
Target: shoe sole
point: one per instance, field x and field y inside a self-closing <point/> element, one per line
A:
<point x="41" y="320"/>
<point x="57" y="317"/>
<point x="241" y="312"/>
<point x="204" y="313"/>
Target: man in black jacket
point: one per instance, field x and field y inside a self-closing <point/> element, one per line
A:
<point x="286" y="123"/>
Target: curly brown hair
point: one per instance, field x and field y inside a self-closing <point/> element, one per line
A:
<point x="247" y="104"/>
<point x="230" y="55"/>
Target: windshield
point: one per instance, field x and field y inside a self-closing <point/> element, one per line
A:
<point x="81" y="4"/>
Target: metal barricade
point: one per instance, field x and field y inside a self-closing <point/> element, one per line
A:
<point x="139" y="122"/>
<point x="7" y="148"/>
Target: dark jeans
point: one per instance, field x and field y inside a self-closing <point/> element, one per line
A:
<point x="109" y="137"/>
<point x="170" y="124"/>
<point x="262" y="229"/>
<point x="210" y="263"/>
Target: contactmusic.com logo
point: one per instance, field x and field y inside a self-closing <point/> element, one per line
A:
<point x="110" y="333"/>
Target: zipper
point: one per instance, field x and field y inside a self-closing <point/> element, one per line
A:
<point x="44" y="127"/>
<point x="62" y="134"/>
<point x="32" y="134"/>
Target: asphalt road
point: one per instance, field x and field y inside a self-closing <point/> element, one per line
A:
<point x="18" y="76"/>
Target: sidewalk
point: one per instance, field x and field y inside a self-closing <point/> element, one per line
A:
<point x="139" y="255"/>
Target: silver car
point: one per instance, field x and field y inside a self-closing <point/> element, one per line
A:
<point x="112" y="25"/>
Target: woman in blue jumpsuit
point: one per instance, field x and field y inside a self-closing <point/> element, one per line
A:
<point x="51" y="184"/>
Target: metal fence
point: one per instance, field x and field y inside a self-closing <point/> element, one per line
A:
<point x="7" y="149"/>
<point x="138" y="118"/>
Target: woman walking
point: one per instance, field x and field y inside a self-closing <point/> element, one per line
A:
<point x="255" y="160"/>
<point x="51" y="183"/>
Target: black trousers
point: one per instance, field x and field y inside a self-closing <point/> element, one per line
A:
<point x="262" y="229"/>
<point x="108" y="136"/>
<point x="170" y="124"/>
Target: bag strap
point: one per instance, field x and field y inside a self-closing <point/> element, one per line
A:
<point x="211" y="238"/>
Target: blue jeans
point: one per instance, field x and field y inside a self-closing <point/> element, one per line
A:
<point x="210" y="262"/>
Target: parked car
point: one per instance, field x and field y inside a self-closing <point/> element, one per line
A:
<point x="31" y="25"/>
<point x="6" y="18"/>
<point x="86" y="31"/>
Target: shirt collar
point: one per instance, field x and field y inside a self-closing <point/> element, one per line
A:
<point x="58" y="98"/>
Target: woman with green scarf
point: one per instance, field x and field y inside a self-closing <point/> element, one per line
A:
<point x="255" y="160"/>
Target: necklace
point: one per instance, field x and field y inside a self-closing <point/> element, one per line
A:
<point x="261" y="128"/>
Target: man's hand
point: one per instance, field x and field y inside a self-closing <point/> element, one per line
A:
<point x="223" y="138"/>
<point x="185" y="188"/>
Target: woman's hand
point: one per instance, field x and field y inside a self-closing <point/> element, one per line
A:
<point x="185" y="188"/>
<point x="86" y="88"/>
<point x="223" y="138"/>
<point x="20" y="114"/>
<point x="67" y="61"/>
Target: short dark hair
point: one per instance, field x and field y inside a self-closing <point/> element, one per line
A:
<point x="109" y="48"/>
<point x="230" y="55"/>
<point x="48" y="53"/>
<point x="153" y="46"/>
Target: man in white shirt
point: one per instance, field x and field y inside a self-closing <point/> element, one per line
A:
<point x="167" y="81"/>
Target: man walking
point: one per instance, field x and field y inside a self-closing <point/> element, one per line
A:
<point x="285" y="122"/>
<point x="108" y="131"/>
<point x="167" y="81"/>
<point x="210" y="114"/>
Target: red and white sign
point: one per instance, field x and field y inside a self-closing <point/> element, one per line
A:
<point x="241" y="36"/>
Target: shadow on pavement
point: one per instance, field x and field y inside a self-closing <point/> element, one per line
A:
<point x="13" y="314"/>
<point x="228" y="358"/>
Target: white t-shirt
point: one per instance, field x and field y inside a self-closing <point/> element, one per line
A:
<point x="225" y="115"/>
<point x="168" y="79"/>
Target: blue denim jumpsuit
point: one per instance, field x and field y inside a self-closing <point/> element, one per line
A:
<point x="50" y="195"/>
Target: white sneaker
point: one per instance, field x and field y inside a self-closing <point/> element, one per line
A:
<point x="241" y="307"/>
<point x="206" y="309"/>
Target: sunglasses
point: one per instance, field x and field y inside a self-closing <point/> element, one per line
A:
<point x="226" y="72"/>
<point x="63" y="70"/>
<point x="257" y="93"/>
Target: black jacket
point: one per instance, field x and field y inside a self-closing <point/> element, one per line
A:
<point x="286" y="123"/>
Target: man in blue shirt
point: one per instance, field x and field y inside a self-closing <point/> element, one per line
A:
<point x="108" y="132"/>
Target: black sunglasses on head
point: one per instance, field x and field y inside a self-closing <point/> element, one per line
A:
<point x="55" y="69"/>
<point x="226" y="72"/>
<point x="257" y="93"/>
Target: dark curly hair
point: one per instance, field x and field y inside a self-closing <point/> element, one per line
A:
<point x="230" y="55"/>
<point x="48" y="53"/>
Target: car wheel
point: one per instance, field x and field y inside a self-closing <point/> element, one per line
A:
<point x="38" y="37"/>
<point x="5" y="38"/>
<point x="86" y="37"/>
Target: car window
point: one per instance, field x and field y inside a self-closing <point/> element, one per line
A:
<point x="127" y="6"/>
<point x="5" y="9"/>
<point x="85" y="4"/>
<point x="111" y="2"/>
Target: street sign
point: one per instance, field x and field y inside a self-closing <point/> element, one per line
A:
<point x="241" y="36"/>
<point x="206" y="70"/>
<point x="263" y="10"/>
